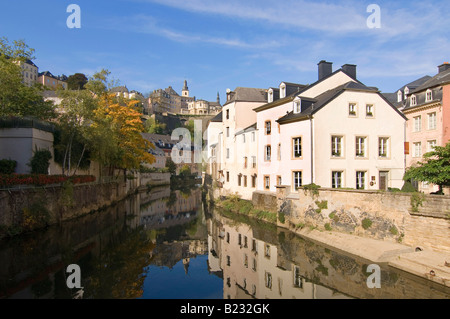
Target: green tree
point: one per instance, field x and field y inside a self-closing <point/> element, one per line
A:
<point x="17" y="99"/>
<point x="77" y="81"/>
<point x="435" y="168"/>
<point x="152" y="126"/>
<point x="171" y="166"/>
<point x="40" y="161"/>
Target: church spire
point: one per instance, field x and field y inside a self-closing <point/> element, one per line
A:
<point x="218" y="98"/>
<point x="185" y="87"/>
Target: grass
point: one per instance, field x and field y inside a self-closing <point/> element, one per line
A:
<point x="366" y="223"/>
<point x="236" y="205"/>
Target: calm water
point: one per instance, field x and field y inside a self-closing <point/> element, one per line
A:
<point x="166" y="244"/>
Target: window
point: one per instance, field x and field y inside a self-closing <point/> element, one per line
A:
<point x="228" y="261"/>
<point x="432" y="121"/>
<point x="360" y="147"/>
<point x="268" y="153"/>
<point x="383" y="144"/>
<point x="279" y="181"/>
<point x="228" y="153"/>
<point x="254" y="161"/>
<point x="268" y="280"/>
<point x="245" y="261"/>
<point x="239" y="179"/>
<point x="245" y="162"/>
<point x="417" y="124"/>
<point x="360" y="180"/>
<point x="254" y="246"/>
<point x="429" y="97"/>
<point x="282" y="91"/>
<point x="228" y="177"/>
<point x="268" y="127"/>
<point x="431" y="145"/>
<point x="243" y="138"/>
<point x="253" y="181"/>
<point x="298" y="280"/>
<point x="245" y="180"/>
<point x="279" y="152"/>
<point x="297" y="147"/>
<point x="253" y="136"/>
<point x="352" y="109"/>
<point x="267" y="250"/>
<point x="267" y="182"/>
<point x="297" y="180"/>
<point x="369" y="110"/>
<point x="336" y="179"/>
<point x="228" y="132"/>
<point x="413" y="100"/>
<point x="297" y="106"/>
<point x="399" y="96"/>
<point x="417" y="149"/>
<point x="254" y="264"/>
<point x="228" y="114"/>
<point x="270" y="98"/>
<point x="336" y="146"/>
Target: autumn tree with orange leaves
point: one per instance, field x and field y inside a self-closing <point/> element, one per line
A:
<point x="117" y="123"/>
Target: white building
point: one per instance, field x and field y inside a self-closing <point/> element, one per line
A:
<point x="336" y="133"/>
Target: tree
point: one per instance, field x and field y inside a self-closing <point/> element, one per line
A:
<point x="128" y="149"/>
<point x="77" y="81"/>
<point x="434" y="169"/>
<point x="40" y="161"/>
<point x="17" y="99"/>
<point x="154" y="127"/>
<point x="171" y="166"/>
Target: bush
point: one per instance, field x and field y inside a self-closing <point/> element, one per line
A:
<point x="40" y="162"/>
<point x="7" y="166"/>
<point x="366" y="223"/>
<point x="408" y="188"/>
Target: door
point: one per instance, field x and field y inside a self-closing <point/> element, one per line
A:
<point x="384" y="180"/>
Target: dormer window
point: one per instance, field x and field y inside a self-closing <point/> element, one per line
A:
<point x="399" y="96"/>
<point x="429" y="97"/>
<point x="270" y="96"/>
<point x="297" y="106"/>
<point x="413" y="100"/>
<point x="406" y="91"/>
<point x="282" y="91"/>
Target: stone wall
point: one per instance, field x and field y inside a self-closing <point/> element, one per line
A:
<point x="414" y="220"/>
<point x="62" y="203"/>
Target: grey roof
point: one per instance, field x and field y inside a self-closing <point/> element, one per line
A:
<point x="437" y="94"/>
<point x="119" y="89"/>
<point x="217" y="118"/>
<point x="246" y="130"/>
<point x="311" y="106"/>
<point x="415" y="84"/>
<point x="248" y="95"/>
<point x="439" y="79"/>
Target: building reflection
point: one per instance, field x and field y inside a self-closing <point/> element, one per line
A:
<point x="253" y="266"/>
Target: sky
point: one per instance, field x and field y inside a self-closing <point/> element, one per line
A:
<point x="219" y="45"/>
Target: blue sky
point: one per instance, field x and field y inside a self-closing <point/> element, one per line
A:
<point x="215" y="45"/>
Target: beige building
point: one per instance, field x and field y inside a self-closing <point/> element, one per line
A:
<point x="29" y="72"/>
<point x="427" y="108"/>
<point x="51" y="81"/>
<point x="336" y="133"/>
<point x="238" y="119"/>
<point x="169" y="101"/>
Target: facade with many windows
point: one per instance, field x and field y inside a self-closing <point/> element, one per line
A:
<point x="427" y="108"/>
<point x="336" y="133"/>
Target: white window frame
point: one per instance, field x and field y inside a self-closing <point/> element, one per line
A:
<point x="336" y="146"/>
<point x="297" y="180"/>
<point x="418" y="123"/>
<point x="430" y="145"/>
<point x="360" y="145"/>
<point x="417" y="149"/>
<point x="297" y="147"/>
<point x="361" y="179"/>
<point x="336" y="179"/>
<point x="383" y="147"/>
<point x="432" y="120"/>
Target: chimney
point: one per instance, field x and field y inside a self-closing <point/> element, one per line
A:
<point x="325" y="69"/>
<point x="444" y="67"/>
<point x="350" y="70"/>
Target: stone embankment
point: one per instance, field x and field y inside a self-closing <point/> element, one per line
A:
<point x="407" y="231"/>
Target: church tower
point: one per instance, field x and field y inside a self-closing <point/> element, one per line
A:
<point x="185" y="91"/>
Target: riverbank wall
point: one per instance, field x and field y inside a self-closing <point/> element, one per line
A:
<point x="28" y="208"/>
<point x="415" y="220"/>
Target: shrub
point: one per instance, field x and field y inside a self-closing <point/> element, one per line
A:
<point x="366" y="223"/>
<point x="40" y="162"/>
<point x="7" y="166"/>
<point x="328" y="227"/>
<point x="408" y="187"/>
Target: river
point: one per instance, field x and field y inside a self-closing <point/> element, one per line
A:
<point x="167" y="244"/>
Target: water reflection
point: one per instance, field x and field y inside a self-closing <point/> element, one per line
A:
<point x="167" y="244"/>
